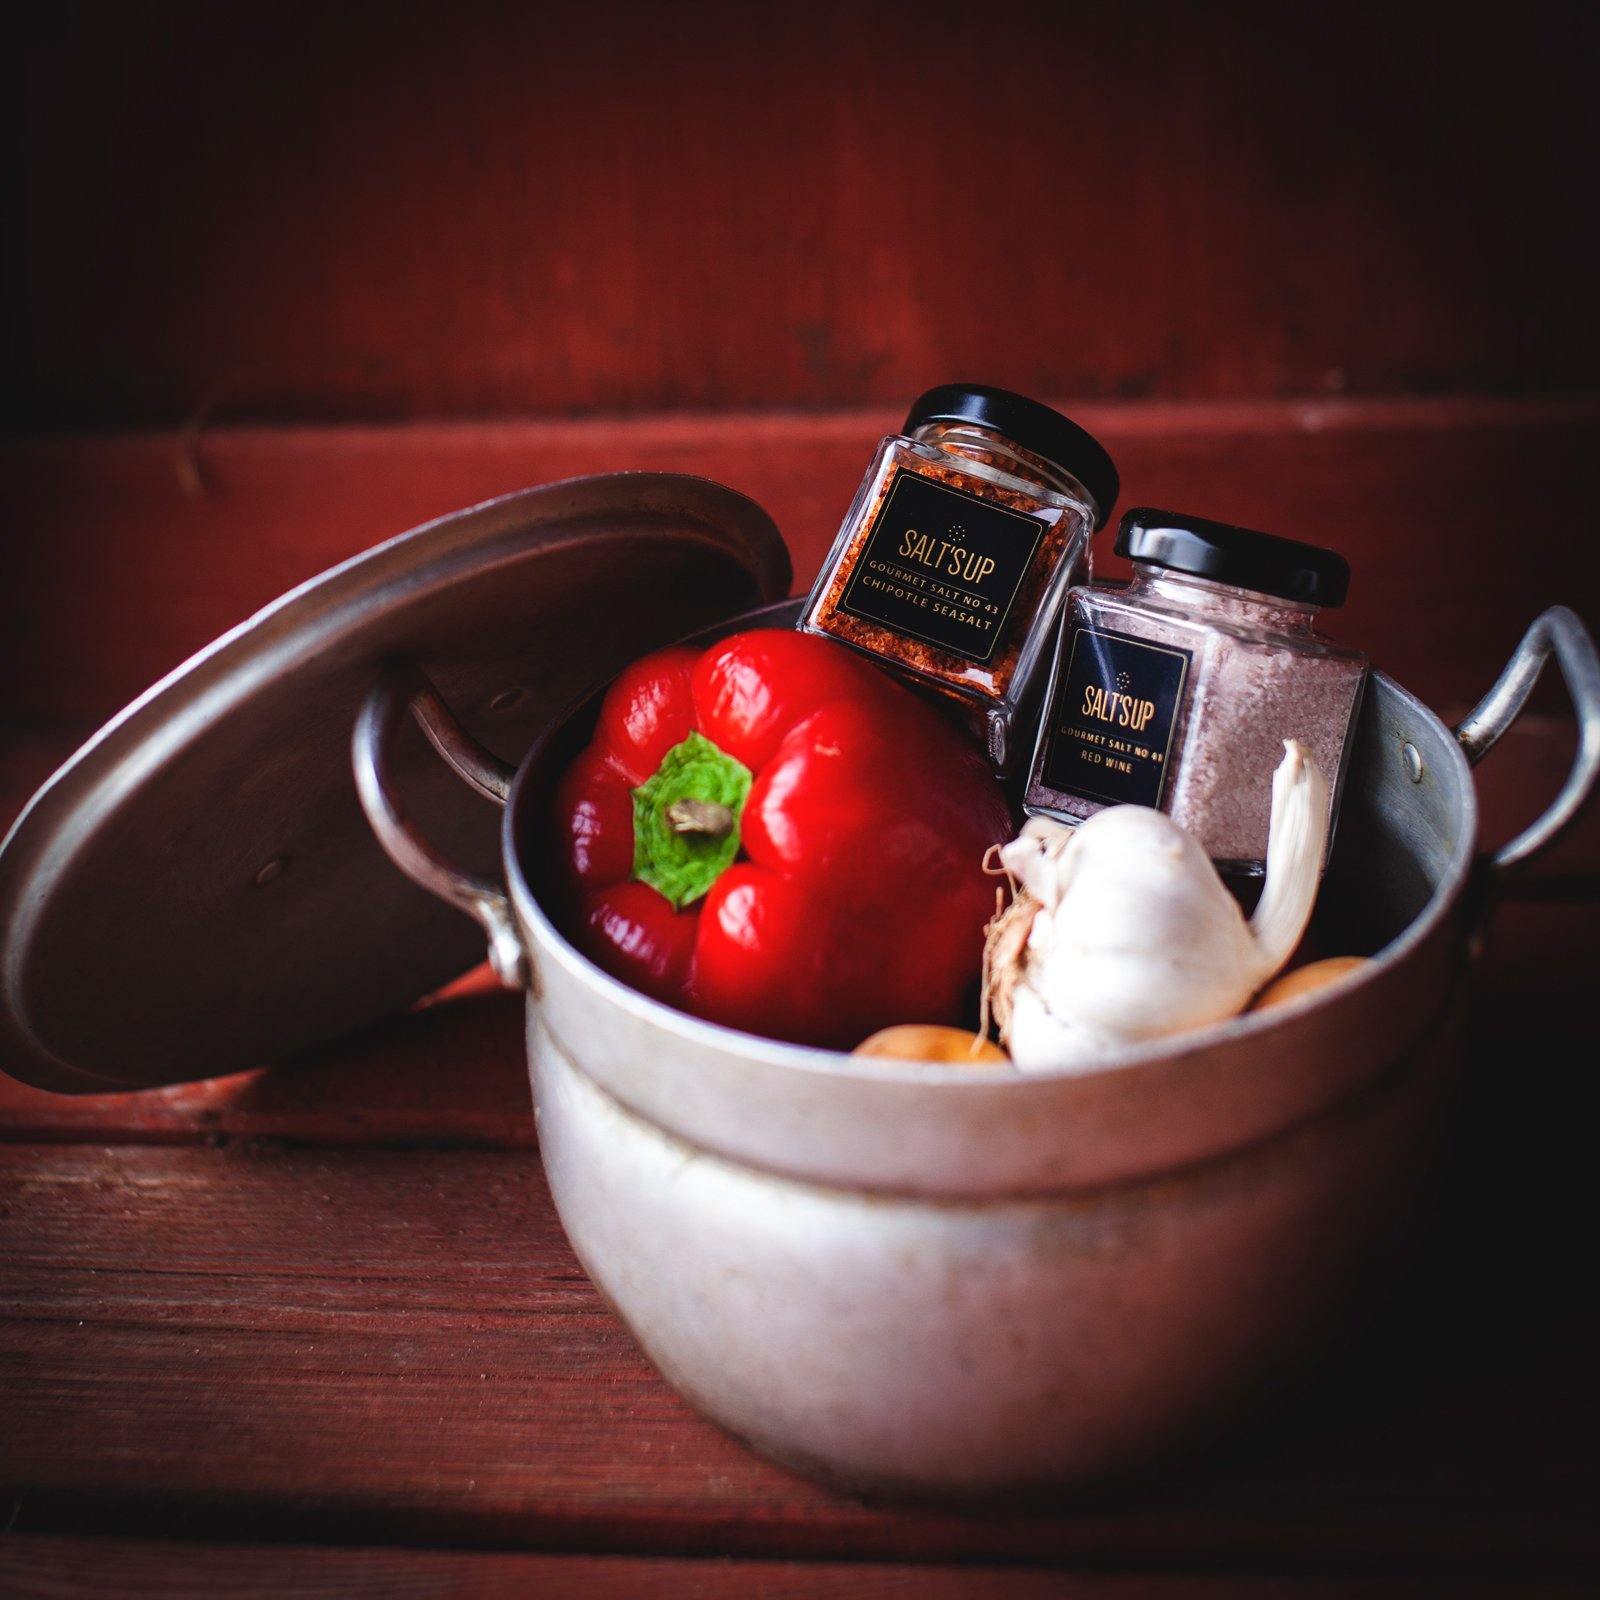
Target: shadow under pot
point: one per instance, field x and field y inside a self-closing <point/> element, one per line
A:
<point x="1179" y="690"/>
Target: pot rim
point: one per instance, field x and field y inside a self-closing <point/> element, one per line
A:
<point x="836" y="1064"/>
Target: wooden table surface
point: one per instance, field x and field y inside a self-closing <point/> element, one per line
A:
<point x="316" y="1330"/>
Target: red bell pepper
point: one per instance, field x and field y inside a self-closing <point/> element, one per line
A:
<point x="772" y="834"/>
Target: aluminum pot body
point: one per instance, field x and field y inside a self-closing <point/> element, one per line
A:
<point x="911" y="1345"/>
<point x="937" y="1279"/>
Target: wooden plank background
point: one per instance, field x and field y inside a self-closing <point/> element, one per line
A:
<point x="292" y="213"/>
<point x="1462" y="518"/>
<point x="48" y="1569"/>
<point x="1325" y="278"/>
<point x="279" y="283"/>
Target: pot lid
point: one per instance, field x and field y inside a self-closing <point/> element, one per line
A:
<point x="197" y="890"/>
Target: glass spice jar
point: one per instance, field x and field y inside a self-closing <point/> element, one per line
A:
<point x="965" y="533"/>
<point x="1178" y="691"/>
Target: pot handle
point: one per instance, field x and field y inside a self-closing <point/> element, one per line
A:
<point x="404" y="688"/>
<point x="1560" y="631"/>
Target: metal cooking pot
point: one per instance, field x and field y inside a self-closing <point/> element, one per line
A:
<point x="944" y="1279"/>
<point x="925" y="1278"/>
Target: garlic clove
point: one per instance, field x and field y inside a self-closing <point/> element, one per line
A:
<point x="1040" y="1041"/>
<point x="1033" y="858"/>
<point x="1296" y="843"/>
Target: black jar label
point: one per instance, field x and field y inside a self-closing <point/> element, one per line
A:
<point x="1111" y="717"/>
<point x="942" y="565"/>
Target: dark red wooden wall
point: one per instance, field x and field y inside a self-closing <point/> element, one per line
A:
<point x="310" y="211"/>
<point x="280" y="281"/>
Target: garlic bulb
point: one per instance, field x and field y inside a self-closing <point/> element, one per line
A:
<point x="1121" y="931"/>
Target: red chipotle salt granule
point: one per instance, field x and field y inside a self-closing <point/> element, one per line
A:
<point x="966" y="531"/>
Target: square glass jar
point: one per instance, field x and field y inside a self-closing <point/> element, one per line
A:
<point x="1178" y="691"/>
<point x="967" y="529"/>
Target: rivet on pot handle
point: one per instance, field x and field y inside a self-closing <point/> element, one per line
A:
<point x="402" y="689"/>
<point x="1558" y="630"/>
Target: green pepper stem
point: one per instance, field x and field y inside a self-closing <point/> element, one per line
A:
<point x="686" y="820"/>
<point x="705" y="817"/>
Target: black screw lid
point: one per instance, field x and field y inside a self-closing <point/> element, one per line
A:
<point x="1240" y="556"/>
<point x="1035" y="427"/>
